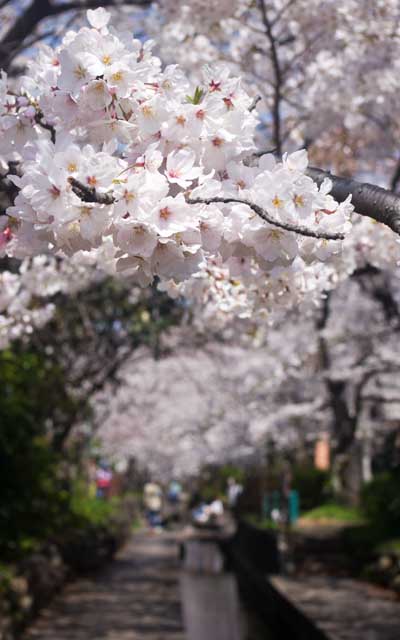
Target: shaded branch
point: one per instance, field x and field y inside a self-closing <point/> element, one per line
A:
<point x="94" y="4"/>
<point x="303" y="231"/>
<point x="22" y="28"/>
<point x="382" y="399"/>
<point x="37" y="11"/>
<point x="89" y="194"/>
<point x="45" y="125"/>
<point x="376" y="283"/>
<point x="278" y="78"/>
<point x="395" y="177"/>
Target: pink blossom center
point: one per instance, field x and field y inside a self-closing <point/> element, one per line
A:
<point x="54" y="192"/>
<point x="215" y="86"/>
<point x="165" y="213"/>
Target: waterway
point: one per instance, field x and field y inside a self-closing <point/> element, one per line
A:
<point x="211" y="604"/>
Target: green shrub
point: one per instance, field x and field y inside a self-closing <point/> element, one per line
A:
<point x="312" y="485"/>
<point x="358" y="543"/>
<point x="214" y="480"/>
<point x="389" y="547"/>
<point x="85" y="509"/>
<point x="380" y="501"/>
<point x="33" y="500"/>
<point x="334" y="512"/>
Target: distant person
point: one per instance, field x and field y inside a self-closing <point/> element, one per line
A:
<point x="152" y="498"/>
<point x="92" y="478"/>
<point x="233" y="493"/>
<point x="276" y="515"/>
<point x="103" y="481"/>
<point x="174" y="492"/>
<point x="199" y="513"/>
<point x="215" y="509"/>
<point x="209" y="514"/>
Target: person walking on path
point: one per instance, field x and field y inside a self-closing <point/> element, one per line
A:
<point x="152" y="498"/>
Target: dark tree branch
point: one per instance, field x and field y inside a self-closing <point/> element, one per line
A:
<point x="89" y="194"/>
<point x="304" y="231"/>
<point x="94" y="4"/>
<point x="368" y="199"/>
<point x="395" y="177"/>
<point x="30" y="41"/>
<point x="37" y="11"/>
<point x="45" y="125"/>
<point x="278" y="78"/>
<point x="8" y="188"/>
<point x="376" y="283"/>
<point x="381" y="399"/>
<point x="22" y="28"/>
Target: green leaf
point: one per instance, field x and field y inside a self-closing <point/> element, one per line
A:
<point x="197" y="97"/>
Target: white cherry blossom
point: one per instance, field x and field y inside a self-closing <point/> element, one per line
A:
<point x="119" y="151"/>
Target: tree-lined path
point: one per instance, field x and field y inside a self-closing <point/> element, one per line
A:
<point x="134" y="598"/>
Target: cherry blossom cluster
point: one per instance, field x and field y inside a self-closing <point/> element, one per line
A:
<point x="374" y="244"/>
<point x="219" y="296"/>
<point x="27" y="296"/>
<point x="345" y="49"/>
<point x="199" y="14"/>
<point x="216" y="404"/>
<point x="114" y="150"/>
<point x="196" y="407"/>
<point x="18" y="315"/>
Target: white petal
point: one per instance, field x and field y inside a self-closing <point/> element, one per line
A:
<point x="298" y="160"/>
<point x="98" y="18"/>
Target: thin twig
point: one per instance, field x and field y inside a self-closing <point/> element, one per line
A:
<point x="303" y="231"/>
<point x="278" y="78"/>
<point x="281" y="12"/>
<point x="254" y="103"/>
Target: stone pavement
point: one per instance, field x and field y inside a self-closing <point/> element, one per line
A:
<point x="134" y="598"/>
<point x="344" y="609"/>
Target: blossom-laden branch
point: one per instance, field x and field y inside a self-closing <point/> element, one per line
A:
<point x="145" y="227"/>
<point x="303" y="231"/>
<point x="368" y="200"/>
<point x="89" y="194"/>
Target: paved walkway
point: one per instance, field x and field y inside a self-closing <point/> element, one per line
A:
<point x="134" y="598"/>
<point x="344" y="609"/>
<point x="137" y="597"/>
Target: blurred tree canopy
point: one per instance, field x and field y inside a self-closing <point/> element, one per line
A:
<point x="47" y="387"/>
